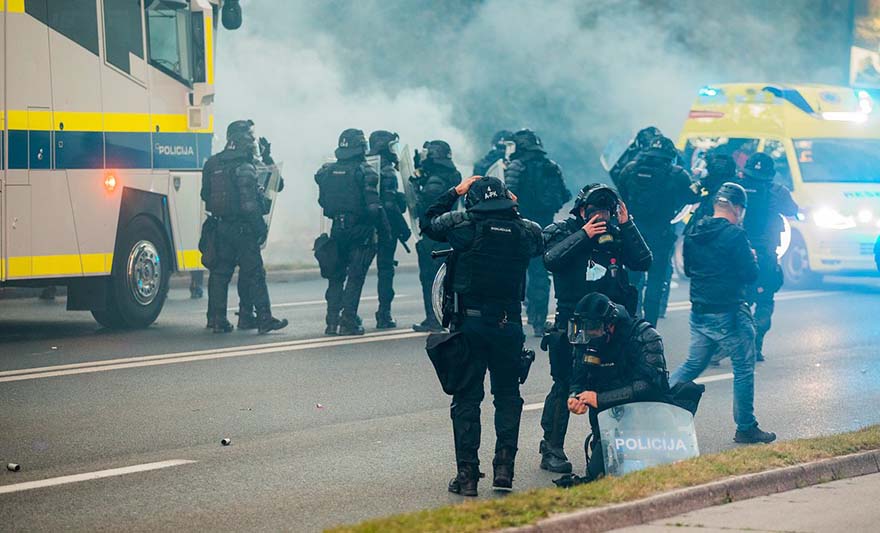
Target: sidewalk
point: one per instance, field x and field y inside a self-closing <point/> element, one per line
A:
<point x="848" y="505"/>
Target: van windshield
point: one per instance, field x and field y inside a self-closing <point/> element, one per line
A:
<point x="839" y="160"/>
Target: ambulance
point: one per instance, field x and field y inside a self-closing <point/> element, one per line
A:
<point x="107" y="120"/>
<point x="825" y="141"/>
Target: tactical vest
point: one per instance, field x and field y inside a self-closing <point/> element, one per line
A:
<point x="494" y="268"/>
<point x="224" y="198"/>
<point x="341" y="189"/>
<point x="648" y="193"/>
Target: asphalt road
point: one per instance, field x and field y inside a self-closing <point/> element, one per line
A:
<point x="329" y="431"/>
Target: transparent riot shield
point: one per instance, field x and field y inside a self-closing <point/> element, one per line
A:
<point x="644" y="434"/>
<point x="438" y="293"/>
<point x="407" y="170"/>
<point x="614" y="148"/>
<point x="269" y="179"/>
<point x="375" y="161"/>
<point x="496" y="170"/>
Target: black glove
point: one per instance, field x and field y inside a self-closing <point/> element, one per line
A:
<point x="266" y="151"/>
<point x="262" y="231"/>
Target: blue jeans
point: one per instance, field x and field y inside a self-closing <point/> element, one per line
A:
<point x="730" y="334"/>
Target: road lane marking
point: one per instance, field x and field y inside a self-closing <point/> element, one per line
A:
<point x="203" y="355"/>
<point x="64" y="480"/>
<point x="704" y="379"/>
<point x="780" y="297"/>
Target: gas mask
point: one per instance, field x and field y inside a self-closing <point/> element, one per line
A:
<point x="612" y="229"/>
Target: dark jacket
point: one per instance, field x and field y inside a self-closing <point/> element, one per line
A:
<point x="568" y="252"/>
<point x="430" y="183"/>
<point x="491" y="157"/>
<point x="633" y="366"/>
<point x="767" y="200"/>
<point x="365" y="196"/>
<point x="720" y="263"/>
<point x="393" y="201"/>
<point x="654" y="191"/>
<point x="538" y="183"/>
<point x="241" y="167"/>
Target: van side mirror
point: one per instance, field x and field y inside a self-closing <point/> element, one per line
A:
<point x="231" y="15"/>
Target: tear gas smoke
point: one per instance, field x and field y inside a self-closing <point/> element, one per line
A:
<point x="577" y="72"/>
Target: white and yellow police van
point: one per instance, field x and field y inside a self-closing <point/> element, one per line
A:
<point x="107" y="121"/>
<point x="825" y="141"/>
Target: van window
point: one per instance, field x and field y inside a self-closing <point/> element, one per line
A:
<point x="75" y="19"/>
<point x="168" y="29"/>
<point x="123" y="35"/>
<point x="839" y="160"/>
<point x="775" y="149"/>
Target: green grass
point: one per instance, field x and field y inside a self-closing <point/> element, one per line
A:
<point x="528" y="507"/>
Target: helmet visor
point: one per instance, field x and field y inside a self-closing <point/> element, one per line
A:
<point x="583" y="330"/>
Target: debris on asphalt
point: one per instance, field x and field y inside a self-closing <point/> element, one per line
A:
<point x="319" y="406"/>
<point x="13" y="467"/>
<point x="54" y="347"/>
<point x="226" y="442"/>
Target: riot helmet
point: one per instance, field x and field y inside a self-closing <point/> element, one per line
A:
<point x="592" y="319"/>
<point x="437" y="152"/>
<point x="599" y="196"/>
<point x="527" y="141"/>
<point x="732" y="193"/>
<point x="241" y="135"/>
<point x="488" y="194"/>
<point x="760" y="166"/>
<point x="383" y="142"/>
<point x="352" y="144"/>
<point x="501" y="137"/>
<point x="721" y="166"/>
<point x="646" y="135"/>
<point x="662" y="147"/>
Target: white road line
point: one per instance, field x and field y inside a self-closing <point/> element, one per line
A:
<point x="781" y="297"/>
<point x="187" y="357"/>
<point x="705" y="379"/>
<point x="64" y="480"/>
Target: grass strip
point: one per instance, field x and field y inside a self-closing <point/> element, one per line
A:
<point x="528" y="507"/>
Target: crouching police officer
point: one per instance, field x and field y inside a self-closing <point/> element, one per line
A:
<point x="492" y="245"/>
<point x="236" y="228"/>
<point x="617" y="359"/>
<point x="590" y="251"/>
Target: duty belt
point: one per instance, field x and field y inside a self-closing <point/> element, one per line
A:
<point x="346" y="220"/>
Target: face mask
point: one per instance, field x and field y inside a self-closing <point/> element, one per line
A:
<point x="595" y="271"/>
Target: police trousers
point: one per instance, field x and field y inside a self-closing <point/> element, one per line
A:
<point x="554" y="419"/>
<point x="237" y="245"/>
<point x="357" y="247"/>
<point x="761" y="295"/>
<point x="385" y="265"/>
<point x="496" y="347"/>
<point x="653" y="284"/>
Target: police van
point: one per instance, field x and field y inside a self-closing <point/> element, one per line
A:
<point x="107" y="122"/>
<point x="825" y="141"/>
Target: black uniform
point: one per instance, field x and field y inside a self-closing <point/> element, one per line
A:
<point x="537" y="182"/>
<point x="626" y="365"/>
<point x="569" y="254"/>
<point x="655" y="190"/>
<point x="349" y="195"/>
<point x="393" y="207"/>
<point x="236" y="227"/>
<point x="498" y="151"/>
<point x="721" y="169"/>
<point x="435" y="174"/>
<point x="492" y="246"/>
<point x="640" y="143"/>
<point x="767" y="201"/>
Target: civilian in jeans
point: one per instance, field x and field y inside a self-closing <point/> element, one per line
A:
<point x="721" y="264"/>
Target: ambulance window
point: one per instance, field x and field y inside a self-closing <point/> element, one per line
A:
<point x="168" y="28"/>
<point x="776" y="150"/>
<point x="739" y="148"/>
<point x="123" y="36"/>
<point x="75" y="19"/>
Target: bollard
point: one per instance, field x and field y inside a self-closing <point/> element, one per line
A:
<point x="12" y="467"/>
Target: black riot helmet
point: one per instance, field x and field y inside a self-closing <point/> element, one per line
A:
<point x="646" y="135"/>
<point x="352" y="143"/>
<point x="598" y="195"/>
<point x="488" y="194"/>
<point x="527" y="141"/>
<point x="720" y="166"/>
<point x="240" y="135"/>
<point x="760" y="166"/>
<point x="501" y="137"/>
<point x="437" y="152"/>
<point x="732" y="193"/>
<point x="662" y="147"/>
<point x="382" y="142"/>
<point x="592" y="319"/>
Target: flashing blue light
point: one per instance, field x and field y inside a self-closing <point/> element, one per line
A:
<point x="708" y="91"/>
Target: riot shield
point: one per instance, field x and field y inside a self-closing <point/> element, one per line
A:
<point x="496" y="170"/>
<point x="644" y="434"/>
<point x="438" y="292"/>
<point x="269" y="180"/>
<point x="407" y="169"/>
<point x="375" y="161"/>
<point x="614" y="149"/>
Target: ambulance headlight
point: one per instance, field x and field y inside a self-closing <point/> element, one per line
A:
<point x="865" y="216"/>
<point x="829" y="218"/>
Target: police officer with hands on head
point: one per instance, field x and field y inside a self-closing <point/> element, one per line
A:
<point x="590" y="251"/>
<point x="617" y="359"/>
<point x="763" y="225"/>
<point x="435" y="174"/>
<point x="349" y="194"/>
<point x="492" y="245"/>
<point x="235" y="229"/>
<point x="498" y="151"/>
<point x="655" y="190"/>
<point x="383" y="143"/>
<point x="537" y="182"/>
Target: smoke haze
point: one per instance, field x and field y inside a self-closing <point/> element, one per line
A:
<point x="577" y="72"/>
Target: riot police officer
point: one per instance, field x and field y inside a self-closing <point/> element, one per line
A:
<point x="348" y="194"/>
<point x="590" y="251"/>
<point x="720" y="169"/>
<point x="435" y="174"/>
<point x="617" y="359"/>
<point x="383" y="143"/>
<point x="767" y="201"/>
<point x="640" y="143"/>
<point x="497" y="152"/>
<point x="655" y="190"/>
<point x="237" y="229"/>
<point x="492" y="245"/>
<point x="537" y="182"/>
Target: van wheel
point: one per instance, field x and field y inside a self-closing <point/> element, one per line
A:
<point x="138" y="286"/>
<point x="796" y="265"/>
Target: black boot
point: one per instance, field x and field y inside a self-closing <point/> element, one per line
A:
<point x="428" y="325"/>
<point x="271" y="323"/>
<point x="384" y="320"/>
<point x="221" y="325"/>
<point x="754" y="436"/>
<point x="502" y="479"/>
<point x="331" y="330"/>
<point x="247" y="320"/>
<point x="350" y="327"/>
<point x="553" y="459"/>
<point x="465" y="483"/>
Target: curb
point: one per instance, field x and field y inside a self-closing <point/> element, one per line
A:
<point x="690" y="499"/>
